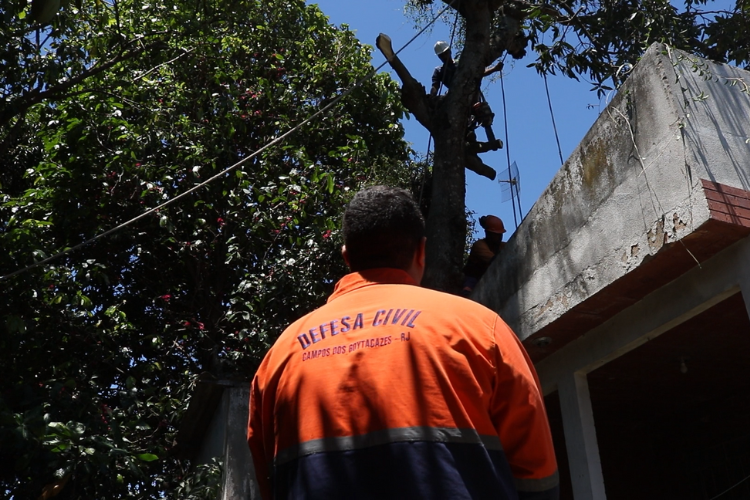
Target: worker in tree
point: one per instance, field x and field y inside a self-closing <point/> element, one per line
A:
<point x="414" y="94"/>
<point x="483" y="251"/>
<point x="395" y="391"/>
<point x="443" y="74"/>
<point x="481" y="114"/>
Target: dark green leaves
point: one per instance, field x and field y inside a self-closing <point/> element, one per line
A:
<point x="125" y="106"/>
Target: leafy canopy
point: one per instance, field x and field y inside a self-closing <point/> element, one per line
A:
<point x="109" y="109"/>
<point x="600" y="39"/>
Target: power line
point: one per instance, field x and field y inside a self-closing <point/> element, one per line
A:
<point x="507" y="154"/>
<point x="552" y="114"/>
<point x="731" y="487"/>
<point x="230" y="168"/>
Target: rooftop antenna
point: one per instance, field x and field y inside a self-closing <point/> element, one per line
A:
<point x="510" y="180"/>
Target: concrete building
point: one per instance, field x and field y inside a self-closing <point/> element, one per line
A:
<point x="629" y="283"/>
<point x="214" y="428"/>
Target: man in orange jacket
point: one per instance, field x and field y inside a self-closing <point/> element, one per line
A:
<point x="394" y="391"/>
<point x="483" y="251"/>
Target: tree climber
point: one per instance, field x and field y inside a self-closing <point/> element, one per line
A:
<point x="423" y="108"/>
<point x="481" y="114"/>
<point x="483" y="251"/>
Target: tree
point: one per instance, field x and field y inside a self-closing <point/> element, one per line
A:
<point x="582" y="39"/>
<point x="109" y="110"/>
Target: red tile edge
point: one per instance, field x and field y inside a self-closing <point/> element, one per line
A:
<point x="727" y="203"/>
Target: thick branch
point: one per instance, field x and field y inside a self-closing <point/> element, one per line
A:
<point x="413" y="94"/>
<point x="504" y="38"/>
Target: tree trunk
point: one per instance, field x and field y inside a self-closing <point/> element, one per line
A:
<point x="446" y="221"/>
<point x="447" y="119"/>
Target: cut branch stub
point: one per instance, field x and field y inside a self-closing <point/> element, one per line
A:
<point x="413" y="94"/>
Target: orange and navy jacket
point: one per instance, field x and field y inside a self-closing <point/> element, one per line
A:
<point x="394" y="391"/>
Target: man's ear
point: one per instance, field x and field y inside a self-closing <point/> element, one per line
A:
<point x="416" y="270"/>
<point x="421" y="251"/>
<point x="345" y="255"/>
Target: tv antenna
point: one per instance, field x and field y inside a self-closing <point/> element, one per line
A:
<point x="510" y="180"/>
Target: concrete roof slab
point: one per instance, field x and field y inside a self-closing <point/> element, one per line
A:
<point x="660" y="182"/>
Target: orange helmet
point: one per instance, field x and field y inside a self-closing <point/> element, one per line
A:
<point x="492" y="224"/>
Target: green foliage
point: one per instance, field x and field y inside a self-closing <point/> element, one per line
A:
<point x="205" y="484"/>
<point x="110" y="110"/>
<point x="597" y="40"/>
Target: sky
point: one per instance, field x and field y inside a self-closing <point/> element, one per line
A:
<point x="531" y="136"/>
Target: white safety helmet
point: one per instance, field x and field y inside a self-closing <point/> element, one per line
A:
<point x="441" y="47"/>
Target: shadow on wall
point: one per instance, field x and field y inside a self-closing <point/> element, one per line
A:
<point x="715" y="94"/>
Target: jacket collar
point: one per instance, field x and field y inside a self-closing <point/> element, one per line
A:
<point x="380" y="276"/>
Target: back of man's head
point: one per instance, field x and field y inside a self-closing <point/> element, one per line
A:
<point x="383" y="227"/>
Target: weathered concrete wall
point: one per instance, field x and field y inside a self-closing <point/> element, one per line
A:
<point x="631" y="187"/>
<point x="225" y="438"/>
<point x="239" y="472"/>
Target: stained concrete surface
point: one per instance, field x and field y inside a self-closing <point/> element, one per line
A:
<point x="630" y="192"/>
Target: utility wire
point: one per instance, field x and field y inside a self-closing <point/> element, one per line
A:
<point x="507" y="154"/>
<point x="275" y="141"/>
<point x="552" y="114"/>
<point x="731" y="488"/>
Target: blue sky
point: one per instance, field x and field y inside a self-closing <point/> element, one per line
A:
<point x="531" y="137"/>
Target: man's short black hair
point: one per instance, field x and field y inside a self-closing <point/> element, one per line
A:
<point x="383" y="227"/>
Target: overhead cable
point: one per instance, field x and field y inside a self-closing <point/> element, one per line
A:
<point x="507" y="154"/>
<point x="275" y="141"/>
<point x="552" y="114"/>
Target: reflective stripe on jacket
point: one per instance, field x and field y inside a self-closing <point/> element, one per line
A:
<point x="396" y="391"/>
